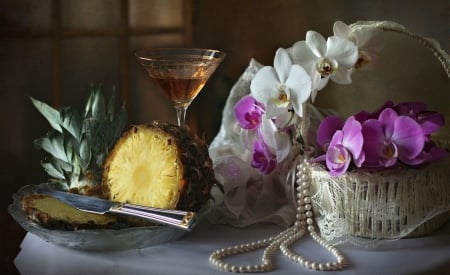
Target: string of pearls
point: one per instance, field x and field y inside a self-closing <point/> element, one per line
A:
<point x="304" y="223"/>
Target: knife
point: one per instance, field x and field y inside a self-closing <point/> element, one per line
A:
<point x="177" y="218"/>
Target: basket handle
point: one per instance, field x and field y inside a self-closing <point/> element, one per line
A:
<point x="429" y="43"/>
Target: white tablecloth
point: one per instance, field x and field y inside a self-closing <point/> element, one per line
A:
<point x="189" y="255"/>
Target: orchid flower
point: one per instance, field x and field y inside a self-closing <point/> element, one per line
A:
<point x="369" y="43"/>
<point x="263" y="159"/>
<point x="326" y="130"/>
<point x="276" y="139"/>
<point x="282" y="86"/>
<point x="390" y="138"/>
<point x="345" y="145"/>
<point x="248" y="112"/>
<point x="325" y="59"/>
<point x="428" y="120"/>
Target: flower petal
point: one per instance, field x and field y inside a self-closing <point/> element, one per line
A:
<point x="302" y="55"/>
<point x="282" y="64"/>
<point x="342" y="76"/>
<point x="248" y="112"/>
<point x="265" y="85"/>
<point x="341" y="29"/>
<point x="408" y="136"/>
<point x="317" y="43"/>
<point x="353" y="139"/>
<point x="430" y="121"/>
<point x="387" y="119"/>
<point x="326" y="130"/>
<point x="263" y="159"/>
<point x="373" y="134"/>
<point x="277" y="140"/>
<point x="343" y="50"/>
<point x="337" y="157"/>
<point x="299" y="84"/>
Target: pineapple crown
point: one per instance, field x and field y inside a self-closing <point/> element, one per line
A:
<point x="78" y="144"/>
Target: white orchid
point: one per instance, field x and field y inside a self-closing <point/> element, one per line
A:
<point x="278" y="141"/>
<point x="269" y="116"/>
<point x="281" y="87"/>
<point x="369" y="43"/>
<point x="325" y="59"/>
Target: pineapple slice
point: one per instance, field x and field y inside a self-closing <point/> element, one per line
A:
<point x="52" y="213"/>
<point x="159" y="165"/>
<point x="144" y="169"/>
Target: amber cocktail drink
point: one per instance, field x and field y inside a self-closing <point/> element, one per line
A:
<point x="180" y="72"/>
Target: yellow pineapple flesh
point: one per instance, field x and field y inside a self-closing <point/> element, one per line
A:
<point x="159" y="165"/>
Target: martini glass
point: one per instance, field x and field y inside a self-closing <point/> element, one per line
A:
<point x="181" y="73"/>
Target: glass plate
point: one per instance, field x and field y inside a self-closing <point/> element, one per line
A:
<point x="94" y="239"/>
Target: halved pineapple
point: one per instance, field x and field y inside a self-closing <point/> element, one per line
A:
<point x="159" y="165"/>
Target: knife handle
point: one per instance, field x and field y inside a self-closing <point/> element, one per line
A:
<point x="178" y="218"/>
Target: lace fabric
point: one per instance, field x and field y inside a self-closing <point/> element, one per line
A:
<point x="366" y="208"/>
<point x="249" y="197"/>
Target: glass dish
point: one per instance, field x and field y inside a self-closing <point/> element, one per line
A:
<point x="94" y="239"/>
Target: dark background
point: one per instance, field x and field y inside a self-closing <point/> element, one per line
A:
<point x="54" y="49"/>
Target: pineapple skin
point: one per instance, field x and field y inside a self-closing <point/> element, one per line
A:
<point x="194" y="168"/>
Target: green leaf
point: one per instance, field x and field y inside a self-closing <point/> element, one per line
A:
<point x="54" y="145"/>
<point x="119" y="123"/>
<point x="89" y="103"/>
<point x="52" y="170"/>
<point x="85" y="154"/>
<point x="71" y="121"/>
<point x="112" y="106"/>
<point x="74" y="176"/>
<point x="98" y="105"/>
<point x="52" y="115"/>
<point x="56" y="168"/>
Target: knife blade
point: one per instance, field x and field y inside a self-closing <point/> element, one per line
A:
<point x="178" y="218"/>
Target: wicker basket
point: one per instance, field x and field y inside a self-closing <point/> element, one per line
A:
<point x="389" y="204"/>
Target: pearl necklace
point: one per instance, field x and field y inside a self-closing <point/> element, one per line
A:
<point x="304" y="223"/>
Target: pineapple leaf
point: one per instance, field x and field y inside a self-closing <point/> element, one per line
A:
<point x="53" y="170"/>
<point x="120" y="121"/>
<point x="85" y="154"/>
<point x="56" y="167"/>
<point x="89" y="102"/>
<point x="54" y="145"/>
<point x="52" y="115"/>
<point x="98" y="105"/>
<point x="79" y="143"/>
<point x="112" y="106"/>
<point x="70" y="148"/>
<point x="74" y="175"/>
<point x="71" y="121"/>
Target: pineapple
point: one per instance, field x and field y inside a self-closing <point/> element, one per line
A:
<point x="78" y="144"/>
<point x="159" y="165"/>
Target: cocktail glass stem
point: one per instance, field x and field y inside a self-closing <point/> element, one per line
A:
<point x="181" y="114"/>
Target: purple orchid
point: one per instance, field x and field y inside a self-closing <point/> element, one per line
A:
<point x="326" y="130"/>
<point x="390" y="138"/>
<point x="345" y="144"/>
<point x="430" y="121"/>
<point x="263" y="159"/>
<point x="248" y="112"/>
<point x="392" y="134"/>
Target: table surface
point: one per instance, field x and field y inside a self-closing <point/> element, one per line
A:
<point x="189" y="255"/>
